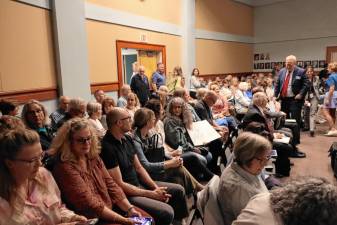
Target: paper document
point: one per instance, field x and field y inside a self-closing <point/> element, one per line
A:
<point x="202" y="133"/>
<point x="284" y="139"/>
<point x="290" y="120"/>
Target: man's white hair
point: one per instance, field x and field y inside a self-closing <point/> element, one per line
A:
<point x="291" y="57"/>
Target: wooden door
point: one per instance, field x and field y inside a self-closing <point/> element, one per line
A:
<point x="331" y="54"/>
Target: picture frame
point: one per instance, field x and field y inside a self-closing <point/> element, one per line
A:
<point x="314" y="63"/>
<point x="262" y="66"/>
<point x="267" y="56"/>
<point x="307" y="63"/>
<point x="267" y="65"/>
<point x="261" y="56"/>
<point x="321" y="63"/>
<point x="300" y="64"/>
<point x="255" y="66"/>
<point x="272" y="65"/>
<point x="256" y="57"/>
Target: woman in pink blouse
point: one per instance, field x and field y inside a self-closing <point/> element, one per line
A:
<point x="84" y="181"/>
<point x="28" y="193"/>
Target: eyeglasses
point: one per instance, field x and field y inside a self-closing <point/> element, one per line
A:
<point x="83" y="140"/>
<point x="126" y="118"/>
<point x="268" y="157"/>
<point x="34" y="160"/>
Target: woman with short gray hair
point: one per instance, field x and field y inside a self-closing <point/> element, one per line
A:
<point x="306" y="201"/>
<point x="241" y="180"/>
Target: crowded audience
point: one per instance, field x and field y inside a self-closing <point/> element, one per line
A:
<point x="136" y="158"/>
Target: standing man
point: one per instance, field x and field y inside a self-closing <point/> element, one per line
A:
<point x="140" y="86"/>
<point x="291" y="87"/>
<point x="158" y="77"/>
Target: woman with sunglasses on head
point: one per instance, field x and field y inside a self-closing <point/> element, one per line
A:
<point x="241" y="179"/>
<point x="28" y="192"/>
<point x="85" y="183"/>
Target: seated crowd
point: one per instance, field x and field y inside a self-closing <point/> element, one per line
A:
<point x="136" y="158"/>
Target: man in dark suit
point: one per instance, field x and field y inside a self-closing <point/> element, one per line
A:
<point x="140" y="86"/>
<point x="291" y="87"/>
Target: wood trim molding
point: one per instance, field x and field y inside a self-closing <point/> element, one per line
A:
<point x="40" y="94"/>
<point x="139" y="46"/>
<point x="223" y="75"/>
<point x="106" y="86"/>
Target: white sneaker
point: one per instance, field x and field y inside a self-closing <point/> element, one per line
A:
<point x="331" y="133"/>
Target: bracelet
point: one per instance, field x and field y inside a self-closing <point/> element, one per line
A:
<point x="129" y="209"/>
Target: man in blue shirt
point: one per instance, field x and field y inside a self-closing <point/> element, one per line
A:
<point x="158" y="77"/>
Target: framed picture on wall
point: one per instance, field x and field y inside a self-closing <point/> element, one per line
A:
<point x="272" y="65"/>
<point x="261" y="56"/>
<point x="256" y="57"/>
<point x="307" y="63"/>
<point x="267" y="65"/>
<point x="267" y="56"/>
<point x="255" y="66"/>
<point x="262" y="66"/>
<point x="314" y="63"/>
<point x="300" y="63"/>
<point x="321" y="63"/>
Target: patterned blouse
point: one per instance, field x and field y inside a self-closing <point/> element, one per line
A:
<point x="42" y="207"/>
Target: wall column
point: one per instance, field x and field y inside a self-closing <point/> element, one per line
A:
<point x="188" y="39"/>
<point x="71" y="48"/>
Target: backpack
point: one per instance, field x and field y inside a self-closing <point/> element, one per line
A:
<point x="333" y="157"/>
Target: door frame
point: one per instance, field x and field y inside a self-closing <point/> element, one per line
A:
<point x="139" y="46"/>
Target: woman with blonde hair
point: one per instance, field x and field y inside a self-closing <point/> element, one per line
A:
<point x="178" y="120"/>
<point x="132" y="104"/>
<point x="83" y="179"/>
<point x="176" y="80"/>
<point x="28" y="192"/>
<point x="330" y="100"/>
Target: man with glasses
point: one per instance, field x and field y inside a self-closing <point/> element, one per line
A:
<point x="120" y="158"/>
<point x="140" y="86"/>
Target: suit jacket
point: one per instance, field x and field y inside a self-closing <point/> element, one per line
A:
<point x="299" y="82"/>
<point x="203" y="111"/>
<point x="140" y="87"/>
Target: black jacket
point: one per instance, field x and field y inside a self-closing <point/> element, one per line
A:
<point x="141" y="88"/>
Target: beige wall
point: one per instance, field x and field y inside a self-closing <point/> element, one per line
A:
<point x="224" y="16"/>
<point x="164" y="10"/>
<point x="217" y="57"/>
<point x="102" y="48"/>
<point x="26" y="55"/>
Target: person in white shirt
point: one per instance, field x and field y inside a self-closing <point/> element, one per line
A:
<point x="94" y="110"/>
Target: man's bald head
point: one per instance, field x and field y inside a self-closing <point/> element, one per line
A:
<point x="114" y="115"/>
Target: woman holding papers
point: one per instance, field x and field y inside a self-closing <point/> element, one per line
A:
<point x="178" y="119"/>
<point x="151" y="153"/>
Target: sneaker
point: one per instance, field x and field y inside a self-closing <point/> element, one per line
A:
<point x="331" y="133"/>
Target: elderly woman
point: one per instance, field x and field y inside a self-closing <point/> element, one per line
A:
<point x="242" y="101"/>
<point x="178" y="119"/>
<point x="241" y="180"/>
<point x="94" y="110"/>
<point x="307" y="201"/>
<point x="84" y="181"/>
<point x="34" y="116"/>
<point x="28" y="192"/>
<point x="151" y="154"/>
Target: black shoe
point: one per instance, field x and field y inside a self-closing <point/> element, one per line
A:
<point x="312" y="133"/>
<point x="297" y="154"/>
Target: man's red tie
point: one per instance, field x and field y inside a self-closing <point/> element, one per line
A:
<point x="285" y="85"/>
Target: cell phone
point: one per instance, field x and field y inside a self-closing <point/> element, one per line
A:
<point x="273" y="153"/>
<point x="88" y="222"/>
<point x="143" y="220"/>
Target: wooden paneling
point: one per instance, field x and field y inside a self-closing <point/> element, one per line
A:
<point x="107" y="87"/>
<point x="330" y="53"/>
<point x="22" y="96"/>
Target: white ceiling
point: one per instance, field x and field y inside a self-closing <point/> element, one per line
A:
<point x="260" y="2"/>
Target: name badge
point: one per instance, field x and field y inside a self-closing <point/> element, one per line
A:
<point x="298" y="77"/>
